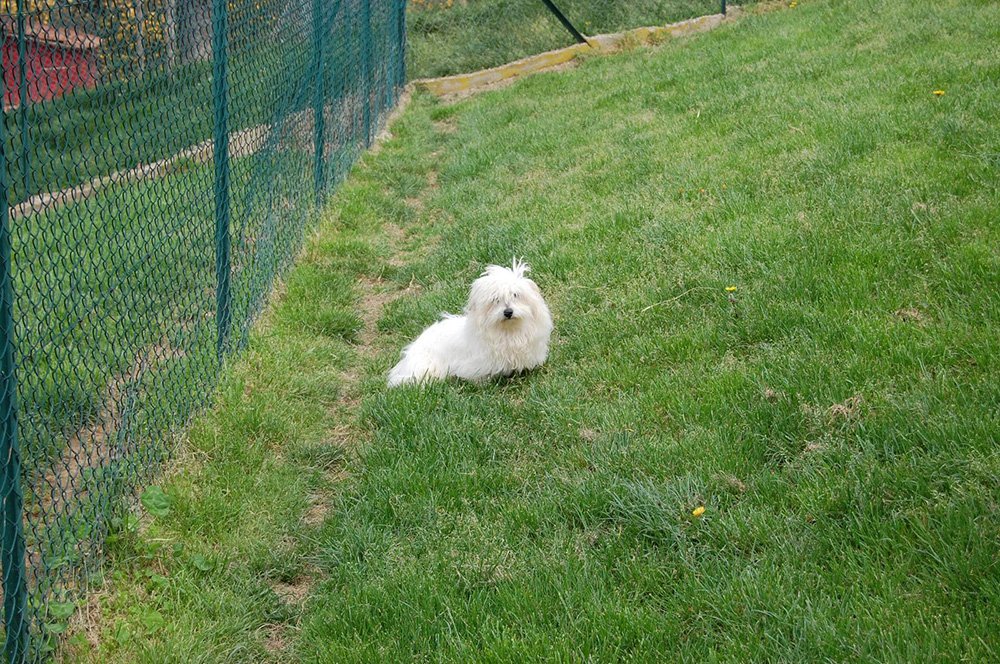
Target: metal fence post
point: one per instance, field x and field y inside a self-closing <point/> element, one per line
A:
<point x="22" y="92"/>
<point x="387" y="42"/>
<point x="369" y="58"/>
<point x="401" y="44"/>
<point x="577" y="35"/>
<point x="15" y="578"/>
<point x="351" y="76"/>
<point x="723" y="7"/>
<point x="319" y="86"/>
<point x="220" y="96"/>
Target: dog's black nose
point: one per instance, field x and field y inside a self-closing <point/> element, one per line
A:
<point x="508" y="312"/>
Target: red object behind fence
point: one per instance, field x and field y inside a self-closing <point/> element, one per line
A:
<point x="57" y="61"/>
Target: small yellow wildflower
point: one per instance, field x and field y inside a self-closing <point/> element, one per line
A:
<point x="698" y="511"/>
<point x="793" y="4"/>
<point x="730" y="289"/>
<point x="938" y="93"/>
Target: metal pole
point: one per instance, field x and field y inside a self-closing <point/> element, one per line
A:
<point x="401" y="45"/>
<point x="387" y="43"/>
<point x="22" y="92"/>
<point x="369" y="56"/>
<point x="220" y="95"/>
<point x="723" y="7"/>
<point x="352" y="74"/>
<point x="577" y="35"/>
<point x="319" y="80"/>
<point x="15" y="578"/>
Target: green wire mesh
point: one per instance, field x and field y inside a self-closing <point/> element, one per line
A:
<point x="160" y="163"/>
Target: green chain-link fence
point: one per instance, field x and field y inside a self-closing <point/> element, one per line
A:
<point x="159" y="163"/>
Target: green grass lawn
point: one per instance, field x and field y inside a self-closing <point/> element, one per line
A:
<point x="837" y="414"/>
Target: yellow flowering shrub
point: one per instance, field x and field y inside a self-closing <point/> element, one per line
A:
<point x="38" y="9"/>
<point x="137" y="37"/>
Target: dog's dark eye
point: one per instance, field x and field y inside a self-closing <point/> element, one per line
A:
<point x="515" y="294"/>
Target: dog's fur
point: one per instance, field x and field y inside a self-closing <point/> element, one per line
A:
<point x="506" y="328"/>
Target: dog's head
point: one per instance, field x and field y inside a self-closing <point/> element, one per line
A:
<point x="504" y="300"/>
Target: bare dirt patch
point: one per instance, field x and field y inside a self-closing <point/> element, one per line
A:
<point x="395" y="233"/>
<point x="86" y="620"/>
<point x="733" y="482"/>
<point x="911" y="315"/>
<point x="771" y="395"/>
<point x="275" y="637"/>
<point x="318" y="509"/>
<point x="416" y="203"/>
<point x="97" y="444"/>
<point x="375" y="294"/>
<point x="847" y="410"/>
<point x="293" y="593"/>
<point x="374" y="298"/>
<point x="446" y="126"/>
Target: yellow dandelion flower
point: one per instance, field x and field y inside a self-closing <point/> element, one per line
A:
<point x="698" y="511"/>
<point x="730" y="289"/>
<point x="938" y="93"/>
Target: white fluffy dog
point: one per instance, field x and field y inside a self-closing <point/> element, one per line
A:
<point x="505" y="328"/>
